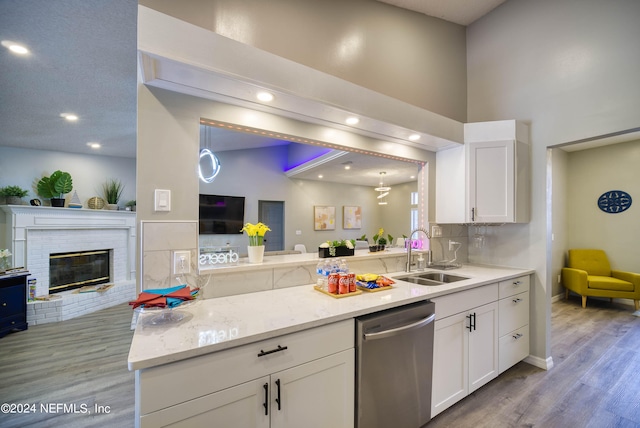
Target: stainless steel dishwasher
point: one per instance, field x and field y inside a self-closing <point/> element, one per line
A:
<point x="394" y="366"/>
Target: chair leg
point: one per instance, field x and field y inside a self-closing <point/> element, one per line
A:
<point x="584" y="301"/>
<point x="566" y="294"/>
<point x="637" y="303"/>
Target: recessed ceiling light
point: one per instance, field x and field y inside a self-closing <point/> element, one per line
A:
<point x="320" y="176"/>
<point x="347" y="167"/>
<point x="265" y="96"/>
<point x="414" y="137"/>
<point x="15" y="47"/>
<point x="352" y="120"/>
<point x="94" y="145"/>
<point x="69" y="116"/>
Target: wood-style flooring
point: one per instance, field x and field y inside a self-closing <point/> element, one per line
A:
<point x="595" y="381"/>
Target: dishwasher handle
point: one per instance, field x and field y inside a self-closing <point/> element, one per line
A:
<point x="398" y="330"/>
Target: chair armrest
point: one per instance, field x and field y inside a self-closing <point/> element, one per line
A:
<point x="574" y="279"/>
<point x="631" y="277"/>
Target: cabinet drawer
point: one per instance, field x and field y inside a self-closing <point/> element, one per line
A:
<point x="172" y="383"/>
<point x="514" y="286"/>
<point x="514" y="312"/>
<point x="12" y="300"/>
<point x="514" y="347"/>
<point x="14" y="321"/>
<point x="455" y="303"/>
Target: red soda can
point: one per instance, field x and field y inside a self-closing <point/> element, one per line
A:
<point x="333" y="283"/>
<point x="352" y="282"/>
<point x="343" y="283"/>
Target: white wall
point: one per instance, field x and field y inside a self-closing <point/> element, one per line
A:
<point x="569" y="69"/>
<point x="406" y="55"/>
<point x="25" y="167"/>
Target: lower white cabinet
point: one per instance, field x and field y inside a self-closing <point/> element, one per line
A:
<point x="301" y="379"/>
<point x="316" y="394"/>
<point x="465" y="350"/>
<point x="514" y="321"/>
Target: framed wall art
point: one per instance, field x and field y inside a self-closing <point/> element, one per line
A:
<point x="351" y="217"/>
<point x="324" y="217"/>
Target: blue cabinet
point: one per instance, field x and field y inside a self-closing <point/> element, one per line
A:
<point x="13" y="303"/>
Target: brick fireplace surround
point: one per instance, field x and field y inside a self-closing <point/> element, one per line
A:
<point x="33" y="233"/>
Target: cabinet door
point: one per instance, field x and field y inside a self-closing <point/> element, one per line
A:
<point x="238" y="406"/>
<point x="483" y="346"/>
<point x="317" y="394"/>
<point x="491" y="182"/>
<point x="450" y="359"/>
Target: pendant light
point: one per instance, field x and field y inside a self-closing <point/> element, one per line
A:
<point x="382" y="189"/>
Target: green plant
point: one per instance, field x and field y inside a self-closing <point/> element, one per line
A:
<point x="56" y="185"/>
<point x="382" y="241"/>
<point x="113" y="190"/>
<point x="363" y="238"/>
<point x="16" y="191"/>
<point x="131" y="203"/>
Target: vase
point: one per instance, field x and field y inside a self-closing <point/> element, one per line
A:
<point x="14" y="200"/>
<point x="256" y="253"/>
<point x="112" y="207"/>
<point x="5" y="263"/>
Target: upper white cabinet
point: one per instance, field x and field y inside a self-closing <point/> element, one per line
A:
<point x="487" y="180"/>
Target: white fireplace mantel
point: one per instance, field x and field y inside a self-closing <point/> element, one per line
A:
<point x="20" y="219"/>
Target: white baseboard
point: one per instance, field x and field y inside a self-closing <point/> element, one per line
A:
<point x="545" y="364"/>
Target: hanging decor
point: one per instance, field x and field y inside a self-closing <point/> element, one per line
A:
<point x="614" y="201"/>
<point x="382" y="189"/>
<point x="209" y="166"/>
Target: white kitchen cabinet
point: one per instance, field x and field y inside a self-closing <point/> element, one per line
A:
<point x="514" y="321"/>
<point x="465" y="350"/>
<point x="487" y="180"/>
<point x="300" y="379"/>
<point x="498" y="182"/>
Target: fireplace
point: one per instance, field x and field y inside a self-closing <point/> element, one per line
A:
<point x="71" y="270"/>
<point x="35" y="233"/>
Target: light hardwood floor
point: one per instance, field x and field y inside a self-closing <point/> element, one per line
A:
<point x="595" y="381"/>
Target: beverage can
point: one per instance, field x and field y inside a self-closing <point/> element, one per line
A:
<point x="32" y="289"/>
<point x="333" y="283"/>
<point x="343" y="283"/>
<point x="352" y="282"/>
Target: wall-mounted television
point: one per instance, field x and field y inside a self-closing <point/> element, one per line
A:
<point x="221" y="214"/>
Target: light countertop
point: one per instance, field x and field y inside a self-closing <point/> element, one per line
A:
<point x="212" y="325"/>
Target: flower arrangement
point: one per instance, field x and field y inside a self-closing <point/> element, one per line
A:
<point x="379" y="238"/>
<point x="5" y="260"/>
<point x="332" y="245"/>
<point x="256" y="233"/>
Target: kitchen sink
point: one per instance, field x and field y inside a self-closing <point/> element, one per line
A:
<point x="431" y="278"/>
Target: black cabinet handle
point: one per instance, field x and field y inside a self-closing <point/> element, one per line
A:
<point x="517" y="336"/>
<point x="266" y="399"/>
<point x="517" y="300"/>
<point x="472" y="321"/>
<point x="517" y="283"/>
<point x="278" y="399"/>
<point x="278" y="349"/>
<point x="473" y="214"/>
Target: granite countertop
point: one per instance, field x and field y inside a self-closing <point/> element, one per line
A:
<point x="212" y="325"/>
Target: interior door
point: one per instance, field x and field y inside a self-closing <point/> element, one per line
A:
<point x="271" y="213"/>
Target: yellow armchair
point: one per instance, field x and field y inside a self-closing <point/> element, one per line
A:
<point x="588" y="273"/>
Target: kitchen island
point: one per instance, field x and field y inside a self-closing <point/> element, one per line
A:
<point x="241" y="350"/>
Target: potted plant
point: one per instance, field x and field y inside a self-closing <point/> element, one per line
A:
<point x="131" y="205"/>
<point x="13" y="194"/>
<point x="338" y="248"/>
<point x="256" y="233"/>
<point x="112" y="192"/>
<point x="55" y="186"/>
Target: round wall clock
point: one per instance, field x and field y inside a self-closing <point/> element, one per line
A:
<point x="614" y="201"/>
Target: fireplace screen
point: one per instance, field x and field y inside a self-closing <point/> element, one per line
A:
<point x="74" y="270"/>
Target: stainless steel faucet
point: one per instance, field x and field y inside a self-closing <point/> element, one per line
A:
<point x="429" y="260"/>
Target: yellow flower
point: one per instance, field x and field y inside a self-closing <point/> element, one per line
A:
<point x="381" y="232"/>
<point x="255" y="232"/>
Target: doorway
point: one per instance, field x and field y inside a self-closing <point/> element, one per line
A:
<point x="271" y="213"/>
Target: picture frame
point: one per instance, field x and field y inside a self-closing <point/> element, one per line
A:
<point x="351" y="217"/>
<point x="324" y="217"/>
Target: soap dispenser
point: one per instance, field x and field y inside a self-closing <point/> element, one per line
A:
<point x="420" y="264"/>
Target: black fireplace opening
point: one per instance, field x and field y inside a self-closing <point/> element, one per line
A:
<point x="68" y="271"/>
